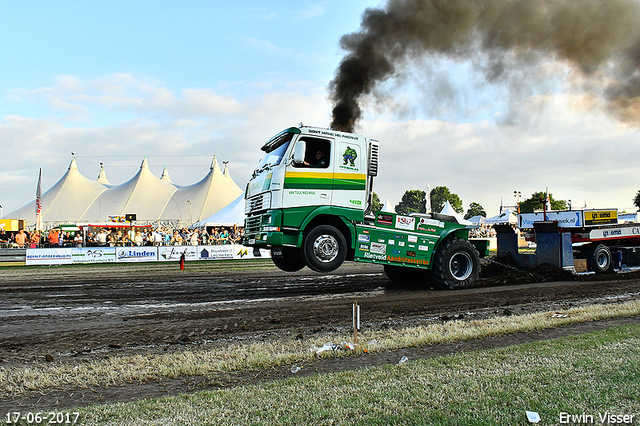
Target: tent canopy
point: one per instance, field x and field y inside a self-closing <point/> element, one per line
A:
<point x="74" y="198"/>
<point x="449" y="211"/>
<point x="478" y="219"/>
<point x="506" y="216"/>
<point x="232" y="214"/>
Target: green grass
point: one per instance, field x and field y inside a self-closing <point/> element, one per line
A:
<point x="263" y="355"/>
<point x="591" y="374"/>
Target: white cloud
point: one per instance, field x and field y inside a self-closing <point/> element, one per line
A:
<point x="563" y="142"/>
<point x="311" y="11"/>
<point x="582" y="156"/>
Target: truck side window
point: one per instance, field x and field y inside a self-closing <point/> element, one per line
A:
<point x="318" y="153"/>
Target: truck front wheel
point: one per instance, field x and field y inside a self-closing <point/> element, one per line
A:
<point x="600" y="260"/>
<point x="287" y="259"/>
<point x="324" y="248"/>
<point x="456" y="264"/>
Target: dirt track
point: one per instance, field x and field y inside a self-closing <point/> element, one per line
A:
<point x="79" y="313"/>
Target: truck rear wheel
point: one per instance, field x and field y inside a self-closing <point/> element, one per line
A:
<point x="600" y="260"/>
<point x="324" y="248"/>
<point x="287" y="259"/>
<point x="456" y="264"/>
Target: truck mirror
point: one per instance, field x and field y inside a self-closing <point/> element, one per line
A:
<point x="299" y="151"/>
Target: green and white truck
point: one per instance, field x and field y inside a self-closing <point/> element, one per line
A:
<point x="309" y="202"/>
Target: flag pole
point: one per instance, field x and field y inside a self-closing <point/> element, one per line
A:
<point x="39" y="203"/>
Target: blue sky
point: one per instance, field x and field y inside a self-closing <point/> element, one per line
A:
<point x="180" y="82"/>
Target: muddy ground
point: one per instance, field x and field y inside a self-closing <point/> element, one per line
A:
<point x="75" y="314"/>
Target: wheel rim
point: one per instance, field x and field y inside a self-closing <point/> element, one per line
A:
<point x="325" y="248"/>
<point x="602" y="260"/>
<point x="461" y="266"/>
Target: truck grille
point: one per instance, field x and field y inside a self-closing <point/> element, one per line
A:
<point x="252" y="224"/>
<point x="257" y="203"/>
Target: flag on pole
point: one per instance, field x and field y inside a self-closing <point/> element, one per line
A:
<point x="548" y="200"/>
<point x="428" y="203"/>
<point x="39" y="203"/>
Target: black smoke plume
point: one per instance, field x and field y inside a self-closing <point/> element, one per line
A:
<point x="599" y="38"/>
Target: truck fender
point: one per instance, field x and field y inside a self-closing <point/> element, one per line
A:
<point x="326" y="215"/>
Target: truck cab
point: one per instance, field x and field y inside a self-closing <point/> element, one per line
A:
<point x="310" y="179"/>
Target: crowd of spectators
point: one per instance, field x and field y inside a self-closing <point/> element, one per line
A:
<point x="482" y="231"/>
<point x="118" y="237"/>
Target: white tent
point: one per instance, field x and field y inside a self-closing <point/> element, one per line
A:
<point x="449" y="211"/>
<point x="144" y="195"/>
<point x="102" y="177"/>
<point x="202" y="199"/>
<point x="506" y="216"/>
<point x="232" y="214"/>
<point x="74" y="198"/>
<point x="477" y="219"/>
<point x="66" y="201"/>
<point x="387" y="207"/>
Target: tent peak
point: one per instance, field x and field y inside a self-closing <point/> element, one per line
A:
<point x="145" y="164"/>
<point x="102" y="176"/>
<point x="165" y="175"/>
<point x="214" y="163"/>
<point x="73" y="165"/>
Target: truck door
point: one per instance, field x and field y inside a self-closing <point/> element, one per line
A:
<point x="311" y="184"/>
<point x="350" y="175"/>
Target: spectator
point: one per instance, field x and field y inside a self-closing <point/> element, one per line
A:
<point x="112" y="239"/>
<point x="53" y="237"/>
<point x="194" y="238"/>
<point x="137" y="238"/>
<point x="101" y="238"/>
<point x="119" y="239"/>
<point x="224" y="236"/>
<point x="34" y="241"/>
<point x="77" y="239"/>
<point x="21" y="238"/>
<point x="215" y="236"/>
<point x="156" y="237"/>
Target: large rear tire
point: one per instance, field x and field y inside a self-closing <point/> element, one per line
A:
<point x="290" y="259"/>
<point x="324" y="248"/>
<point x="600" y="260"/>
<point x="456" y="264"/>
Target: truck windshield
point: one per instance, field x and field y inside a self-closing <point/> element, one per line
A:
<point x="274" y="157"/>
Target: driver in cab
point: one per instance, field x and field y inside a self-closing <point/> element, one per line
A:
<point x="320" y="160"/>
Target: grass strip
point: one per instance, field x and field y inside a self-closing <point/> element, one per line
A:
<point x="209" y="363"/>
<point x="589" y="375"/>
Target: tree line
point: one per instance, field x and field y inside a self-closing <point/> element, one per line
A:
<point x="415" y="201"/>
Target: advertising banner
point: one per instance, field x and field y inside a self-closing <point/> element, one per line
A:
<point x="565" y="219"/>
<point x="217" y="252"/>
<point x="173" y="253"/>
<point x="136" y="254"/>
<point x="242" y="252"/>
<point x="48" y="256"/>
<point x="571" y="218"/>
<point x="93" y="254"/>
<point x="60" y="256"/>
<point x="600" y="217"/>
<point x="230" y="251"/>
<point x="626" y="232"/>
